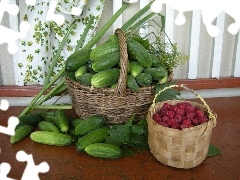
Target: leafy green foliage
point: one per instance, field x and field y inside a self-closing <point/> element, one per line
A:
<point x="168" y="94"/>
<point x="129" y="135"/>
<point x="213" y="150"/>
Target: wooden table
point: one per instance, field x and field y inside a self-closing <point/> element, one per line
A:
<point x="67" y="163"/>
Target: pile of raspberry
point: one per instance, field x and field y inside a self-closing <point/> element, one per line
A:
<point x="179" y="116"/>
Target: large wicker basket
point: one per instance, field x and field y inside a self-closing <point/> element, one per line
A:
<point x="186" y="148"/>
<point x="116" y="105"/>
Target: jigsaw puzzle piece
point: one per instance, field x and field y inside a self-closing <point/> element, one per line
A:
<point x="31" y="171"/>
<point x="4" y="170"/>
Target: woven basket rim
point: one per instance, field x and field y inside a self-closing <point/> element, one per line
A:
<point x="105" y="90"/>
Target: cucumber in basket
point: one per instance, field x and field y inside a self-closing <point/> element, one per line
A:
<point x="105" y="78"/>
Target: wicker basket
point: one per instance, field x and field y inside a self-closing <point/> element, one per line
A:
<point x="116" y="105"/>
<point x="186" y="148"/>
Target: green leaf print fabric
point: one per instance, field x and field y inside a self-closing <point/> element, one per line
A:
<point x="38" y="48"/>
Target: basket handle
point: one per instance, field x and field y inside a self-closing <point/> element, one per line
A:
<point x="120" y="89"/>
<point x="212" y="116"/>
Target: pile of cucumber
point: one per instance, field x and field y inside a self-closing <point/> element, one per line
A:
<point x="100" y="67"/>
<point x="56" y="129"/>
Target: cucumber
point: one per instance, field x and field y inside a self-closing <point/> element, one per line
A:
<point x="75" y="122"/>
<point x="144" y="79"/>
<point x="95" y="136"/>
<point x="48" y="126"/>
<point x="89" y="124"/>
<point x="155" y="61"/>
<point x="156" y="73"/>
<point x="104" y="49"/>
<point x="89" y="67"/>
<point x="85" y="79"/>
<point x="70" y="74"/>
<point x="105" y="78"/>
<point x="106" y="62"/>
<point x="51" y="138"/>
<point x="138" y="52"/>
<point x="30" y="119"/>
<point x="103" y="150"/>
<point x="165" y="78"/>
<point x="61" y="120"/>
<point x="135" y="68"/>
<point x="20" y="133"/>
<point x="132" y="83"/>
<point x="77" y="59"/>
<point x="82" y="70"/>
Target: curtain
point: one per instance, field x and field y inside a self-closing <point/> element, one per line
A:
<point x="37" y="50"/>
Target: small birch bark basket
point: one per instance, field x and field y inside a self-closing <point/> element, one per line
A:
<point x="186" y="148"/>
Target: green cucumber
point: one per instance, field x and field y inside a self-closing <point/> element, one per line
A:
<point x="95" y="136"/>
<point x="70" y="74"/>
<point x="104" y="49"/>
<point x="51" y="138"/>
<point x="85" y="79"/>
<point x="82" y="70"/>
<point x="138" y="52"/>
<point x="104" y="150"/>
<point x="105" y="78"/>
<point x="144" y="79"/>
<point x="89" y="124"/>
<point x="48" y="126"/>
<point x="157" y="73"/>
<point x="30" y="119"/>
<point x="135" y="68"/>
<point x="132" y="83"/>
<point x="106" y="62"/>
<point x="21" y="132"/>
<point x="62" y="121"/>
<point x="77" y="59"/>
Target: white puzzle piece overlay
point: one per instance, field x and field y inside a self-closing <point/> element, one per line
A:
<point x="209" y="9"/>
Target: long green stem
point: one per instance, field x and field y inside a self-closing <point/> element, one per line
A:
<point x="98" y="36"/>
<point x="84" y="34"/>
<point x="136" y="16"/>
<point x="48" y="95"/>
<point x="55" y="60"/>
<point x="52" y="106"/>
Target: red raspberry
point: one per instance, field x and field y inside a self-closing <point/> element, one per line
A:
<point x="173" y="124"/>
<point x="180" y="111"/>
<point x="165" y="119"/>
<point x="178" y="118"/>
<point x="190" y="109"/>
<point x="186" y="123"/>
<point x="156" y="117"/>
<point x="170" y="113"/>
<point x="163" y="124"/>
<point x="165" y="106"/>
<point x="173" y="108"/>
<point x="195" y="122"/>
<point x="190" y="115"/>
<point x="199" y="113"/>
<point x="202" y="120"/>
<point x="181" y="106"/>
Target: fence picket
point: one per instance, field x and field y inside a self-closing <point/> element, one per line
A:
<point x="194" y="45"/>
<point x="217" y="56"/>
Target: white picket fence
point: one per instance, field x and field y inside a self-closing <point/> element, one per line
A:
<point x="209" y="57"/>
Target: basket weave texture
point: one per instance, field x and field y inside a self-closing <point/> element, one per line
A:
<point x="116" y="105"/>
<point x="186" y="148"/>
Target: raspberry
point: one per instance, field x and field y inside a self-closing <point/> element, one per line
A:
<point x="163" y="124"/>
<point x="173" y="108"/>
<point x="199" y="113"/>
<point x="202" y="120"/>
<point x="190" y="109"/>
<point x="186" y="123"/>
<point x="165" y="106"/>
<point x="156" y="117"/>
<point x="190" y="115"/>
<point x="170" y="113"/>
<point x="180" y="111"/>
<point x="195" y="121"/>
<point x="165" y="119"/>
<point x="173" y="124"/>
<point x="178" y="118"/>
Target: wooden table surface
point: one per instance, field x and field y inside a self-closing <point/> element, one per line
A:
<point x="67" y="163"/>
